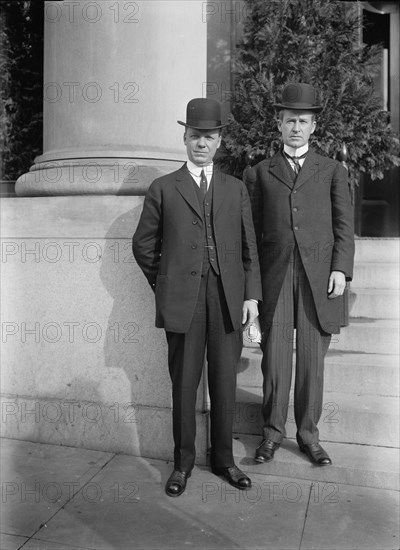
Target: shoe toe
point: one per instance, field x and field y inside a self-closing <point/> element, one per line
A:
<point x="234" y="477"/>
<point x="176" y="483"/>
<point x="265" y="452"/>
<point x="173" y="488"/>
<point x="261" y="458"/>
<point x="316" y="454"/>
<point x="245" y="482"/>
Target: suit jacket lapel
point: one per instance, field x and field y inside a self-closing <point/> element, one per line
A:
<point x="184" y="186"/>
<point x="309" y="169"/>
<point x="280" y="170"/>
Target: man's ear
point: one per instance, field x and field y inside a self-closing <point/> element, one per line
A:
<point x="184" y="137"/>
<point x="314" y="125"/>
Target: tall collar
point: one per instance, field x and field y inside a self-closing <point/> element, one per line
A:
<point x="292" y="152"/>
<point x="196" y="170"/>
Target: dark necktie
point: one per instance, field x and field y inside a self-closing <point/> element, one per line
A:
<point x="203" y="183"/>
<point x="295" y="160"/>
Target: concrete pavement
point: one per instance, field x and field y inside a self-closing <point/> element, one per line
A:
<point x="65" y="498"/>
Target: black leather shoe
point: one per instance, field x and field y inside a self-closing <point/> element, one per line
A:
<point x="316" y="454"/>
<point x="176" y="483"/>
<point x="234" y="476"/>
<point x="265" y="452"/>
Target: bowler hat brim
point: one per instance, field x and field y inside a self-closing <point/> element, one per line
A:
<point x="206" y="125"/>
<point x="298" y="107"/>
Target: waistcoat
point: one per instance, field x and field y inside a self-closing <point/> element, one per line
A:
<point x="210" y="253"/>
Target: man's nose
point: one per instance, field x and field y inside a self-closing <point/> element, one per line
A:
<point x="296" y="127"/>
<point x="202" y="142"/>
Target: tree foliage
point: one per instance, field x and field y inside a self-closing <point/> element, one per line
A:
<point x="21" y="67"/>
<point x="317" y="42"/>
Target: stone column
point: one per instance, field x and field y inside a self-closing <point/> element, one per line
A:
<point x="117" y="76"/>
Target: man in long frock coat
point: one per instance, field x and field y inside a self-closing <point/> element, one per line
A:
<point x="196" y="245"/>
<point x="304" y="226"/>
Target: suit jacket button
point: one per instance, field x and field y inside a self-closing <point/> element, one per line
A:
<point x="194" y="246"/>
<point x="194" y="273"/>
<point x="194" y="222"/>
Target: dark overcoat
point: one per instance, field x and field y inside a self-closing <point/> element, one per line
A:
<point x="315" y="214"/>
<point x="169" y="241"/>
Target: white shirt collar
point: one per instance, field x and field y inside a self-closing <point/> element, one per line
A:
<point x="196" y="170"/>
<point x="291" y="151"/>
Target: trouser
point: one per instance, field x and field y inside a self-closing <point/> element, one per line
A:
<point x="211" y="326"/>
<point x="295" y="308"/>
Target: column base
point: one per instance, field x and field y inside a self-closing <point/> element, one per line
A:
<point x="93" y="176"/>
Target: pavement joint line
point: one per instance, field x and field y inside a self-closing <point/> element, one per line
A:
<point x="69" y="500"/>
<point x="312" y="484"/>
<point x="55" y="542"/>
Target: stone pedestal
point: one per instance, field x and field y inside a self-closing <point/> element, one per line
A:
<point x="82" y="363"/>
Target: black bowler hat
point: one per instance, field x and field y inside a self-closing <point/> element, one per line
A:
<point x="203" y="114"/>
<point x="299" y="97"/>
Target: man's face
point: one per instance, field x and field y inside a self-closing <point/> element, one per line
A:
<point x="296" y="127"/>
<point x="201" y="145"/>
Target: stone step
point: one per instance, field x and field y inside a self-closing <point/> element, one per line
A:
<point x="374" y="303"/>
<point x="377" y="250"/>
<point x="346" y="418"/>
<point x="358" y="373"/>
<point x="363" y="335"/>
<point x="369" y="336"/>
<point x="362" y="465"/>
<point x="383" y="274"/>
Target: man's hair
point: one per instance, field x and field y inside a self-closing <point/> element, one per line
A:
<point x="280" y="114"/>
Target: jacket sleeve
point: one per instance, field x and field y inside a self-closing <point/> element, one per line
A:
<point x="147" y="240"/>
<point x="342" y="224"/>
<point x="256" y="200"/>
<point x="249" y="251"/>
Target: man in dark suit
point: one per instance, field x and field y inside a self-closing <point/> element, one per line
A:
<point x="196" y="245"/>
<point x="304" y="227"/>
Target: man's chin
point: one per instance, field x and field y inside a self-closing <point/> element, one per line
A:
<point x="201" y="161"/>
